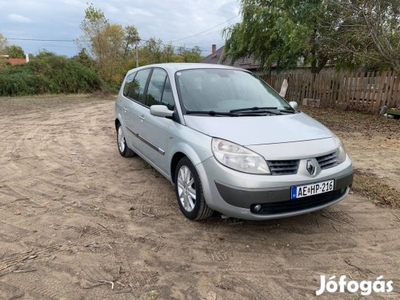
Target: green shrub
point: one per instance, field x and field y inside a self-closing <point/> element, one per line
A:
<point x="48" y="74"/>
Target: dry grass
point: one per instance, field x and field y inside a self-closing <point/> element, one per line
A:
<point x="372" y="187"/>
<point x="347" y="122"/>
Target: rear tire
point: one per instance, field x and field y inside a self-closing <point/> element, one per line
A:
<point x="189" y="191"/>
<point x="123" y="148"/>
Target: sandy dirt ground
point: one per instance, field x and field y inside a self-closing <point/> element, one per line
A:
<point x="77" y="221"/>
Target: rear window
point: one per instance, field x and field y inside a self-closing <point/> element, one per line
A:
<point x="128" y="84"/>
<point x="138" y="85"/>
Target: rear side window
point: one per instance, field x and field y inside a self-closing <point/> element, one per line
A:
<point x="159" y="90"/>
<point x="128" y="84"/>
<point x="139" y="85"/>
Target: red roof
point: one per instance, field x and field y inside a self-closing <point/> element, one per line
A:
<point x="16" y="61"/>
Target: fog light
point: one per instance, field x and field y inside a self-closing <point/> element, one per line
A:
<point x="257" y="208"/>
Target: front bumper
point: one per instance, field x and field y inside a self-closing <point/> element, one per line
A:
<point x="236" y="194"/>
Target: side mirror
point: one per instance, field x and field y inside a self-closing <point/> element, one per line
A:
<point x="161" y="111"/>
<point x="294" y="105"/>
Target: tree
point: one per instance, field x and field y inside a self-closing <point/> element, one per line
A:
<point x="368" y="33"/>
<point x="45" y="53"/>
<point x="131" y="39"/>
<point x="189" y="55"/>
<point x="113" y="47"/>
<point x="168" y="53"/>
<point x="108" y="44"/>
<point x="282" y="32"/>
<point x="154" y="51"/>
<point x="93" y="25"/>
<point x="151" y="51"/>
<point x="3" y="44"/>
<point x="14" y="51"/>
<point x="286" y="33"/>
<point x="84" y="59"/>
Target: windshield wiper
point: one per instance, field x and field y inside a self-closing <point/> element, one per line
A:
<point x="262" y="110"/>
<point x="249" y="111"/>
<point x="209" y="112"/>
<point x="252" y="108"/>
<point x="257" y="110"/>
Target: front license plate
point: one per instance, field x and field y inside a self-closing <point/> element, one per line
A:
<point x="312" y="189"/>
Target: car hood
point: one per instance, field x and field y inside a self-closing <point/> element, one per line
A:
<point x="258" y="130"/>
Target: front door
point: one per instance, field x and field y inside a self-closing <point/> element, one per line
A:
<point x="155" y="131"/>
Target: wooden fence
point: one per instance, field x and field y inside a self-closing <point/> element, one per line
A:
<point x="362" y="91"/>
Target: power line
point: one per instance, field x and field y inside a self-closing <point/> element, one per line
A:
<point x="142" y="40"/>
<point x="38" y="40"/>
<point x="72" y="41"/>
<point x="196" y="34"/>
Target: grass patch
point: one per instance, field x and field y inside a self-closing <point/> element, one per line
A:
<point x="350" y="122"/>
<point x="372" y="187"/>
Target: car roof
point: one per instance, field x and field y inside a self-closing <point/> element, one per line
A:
<point x="174" y="67"/>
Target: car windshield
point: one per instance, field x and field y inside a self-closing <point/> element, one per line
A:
<point x="221" y="92"/>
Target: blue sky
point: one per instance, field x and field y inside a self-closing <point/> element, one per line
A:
<point x="188" y="23"/>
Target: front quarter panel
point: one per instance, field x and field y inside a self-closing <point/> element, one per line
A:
<point x="185" y="141"/>
<point x="193" y="144"/>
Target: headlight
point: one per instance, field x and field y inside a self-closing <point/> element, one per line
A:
<point x="238" y="158"/>
<point x="341" y="150"/>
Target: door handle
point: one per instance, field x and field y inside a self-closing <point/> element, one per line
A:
<point x="142" y="118"/>
<point x="125" y="109"/>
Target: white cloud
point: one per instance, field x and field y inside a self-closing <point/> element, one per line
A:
<point x="139" y="12"/>
<point x="18" y="18"/>
<point x="184" y="23"/>
<point x="74" y="3"/>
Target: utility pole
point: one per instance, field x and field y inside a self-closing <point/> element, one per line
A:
<point x="137" y="54"/>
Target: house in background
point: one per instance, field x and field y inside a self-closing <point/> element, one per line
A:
<point x="15" y="61"/>
<point x="216" y="56"/>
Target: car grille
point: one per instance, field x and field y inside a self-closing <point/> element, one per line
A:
<point x="328" y="161"/>
<point x="298" y="204"/>
<point x="290" y="167"/>
<point x="283" y="167"/>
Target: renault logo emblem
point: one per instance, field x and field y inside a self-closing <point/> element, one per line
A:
<point x="310" y="167"/>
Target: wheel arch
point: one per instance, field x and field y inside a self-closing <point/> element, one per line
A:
<point x="196" y="152"/>
<point x="174" y="161"/>
<point x="117" y="122"/>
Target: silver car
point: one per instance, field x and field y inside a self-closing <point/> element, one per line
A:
<point x="229" y="143"/>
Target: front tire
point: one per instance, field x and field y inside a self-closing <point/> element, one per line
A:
<point x="189" y="191"/>
<point x="123" y="148"/>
